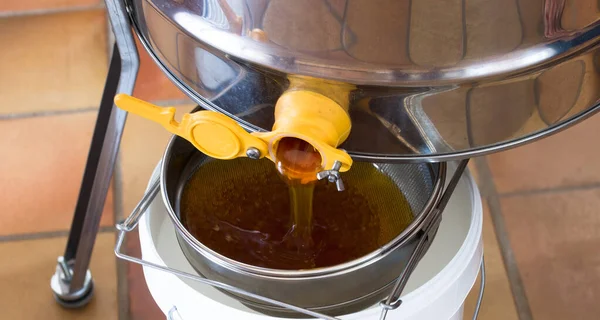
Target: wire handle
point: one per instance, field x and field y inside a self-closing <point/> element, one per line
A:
<point x="132" y="221"/>
<point x="392" y="302"/>
<point x="428" y="229"/>
<point x="481" y="289"/>
<point x="174" y="314"/>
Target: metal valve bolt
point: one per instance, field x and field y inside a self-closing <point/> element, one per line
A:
<point x="333" y="175"/>
<point x="253" y="153"/>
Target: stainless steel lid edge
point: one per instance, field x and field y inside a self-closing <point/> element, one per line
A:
<point x="210" y="22"/>
<point x="435" y="125"/>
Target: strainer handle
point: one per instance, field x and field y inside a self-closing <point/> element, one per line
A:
<point x="131" y="223"/>
<point x="481" y="289"/>
<point x="142" y="207"/>
<point x="174" y="314"/>
<point x="427" y="233"/>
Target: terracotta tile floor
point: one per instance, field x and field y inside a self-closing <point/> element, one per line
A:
<point x="69" y="75"/>
<point x="498" y="303"/>
<point x="560" y="265"/>
<point x="25" y="271"/>
<point x="45" y="152"/>
<point x="31" y="5"/>
<point x="541" y="222"/>
<point x="538" y="166"/>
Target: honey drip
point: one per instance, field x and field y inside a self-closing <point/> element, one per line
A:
<point x="298" y="162"/>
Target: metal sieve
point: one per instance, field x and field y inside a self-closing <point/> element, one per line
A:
<point x="340" y="289"/>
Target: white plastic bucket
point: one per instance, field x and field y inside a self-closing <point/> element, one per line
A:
<point x="436" y="290"/>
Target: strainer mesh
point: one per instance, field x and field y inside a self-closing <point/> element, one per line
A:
<point x="396" y="206"/>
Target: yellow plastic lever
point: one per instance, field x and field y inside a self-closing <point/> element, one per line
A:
<point x="215" y="134"/>
<point x="307" y="115"/>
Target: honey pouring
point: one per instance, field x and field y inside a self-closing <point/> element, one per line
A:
<point x="246" y="217"/>
<point x="283" y="218"/>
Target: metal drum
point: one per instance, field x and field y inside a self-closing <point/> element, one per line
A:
<point x="433" y="80"/>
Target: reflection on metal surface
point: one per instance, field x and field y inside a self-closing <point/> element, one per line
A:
<point x="428" y="37"/>
<point x="557" y="90"/>
<point x="496" y="113"/>
<point x="315" y="32"/>
<point x="492" y="28"/>
<point x="579" y="14"/>
<point x="434" y="79"/>
<point x="553" y="10"/>
<point x="446" y="111"/>
<point x="380" y="29"/>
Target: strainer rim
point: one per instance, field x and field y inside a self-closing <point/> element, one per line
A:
<point x="282" y="274"/>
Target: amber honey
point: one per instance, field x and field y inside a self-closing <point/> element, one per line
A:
<point x="243" y="209"/>
<point x="298" y="162"/>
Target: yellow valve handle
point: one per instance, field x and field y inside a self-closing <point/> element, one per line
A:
<point x="314" y="118"/>
<point x="214" y="134"/>
<point x="305" y="115"/>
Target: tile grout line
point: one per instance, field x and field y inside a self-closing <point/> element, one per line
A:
<point x="47" y="234"/>
<point x="512" y="270"/>
<point x="42" y="12"/>
<point x="36" y="114"/>
<point x="557" y="189"/>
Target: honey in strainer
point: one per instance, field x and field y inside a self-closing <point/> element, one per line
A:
<point x="241" y="209"/>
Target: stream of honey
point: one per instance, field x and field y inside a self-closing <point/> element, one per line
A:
<point x="298" y="162"/>
<point x="283" y="219"/>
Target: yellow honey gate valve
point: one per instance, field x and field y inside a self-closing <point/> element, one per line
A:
<point x="302" y="114"/>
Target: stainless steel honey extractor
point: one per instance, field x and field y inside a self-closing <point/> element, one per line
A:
<point x="433" y="89"/>
<point x="432" y="80"/>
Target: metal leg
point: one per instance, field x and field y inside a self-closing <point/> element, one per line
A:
<point x="72" y="282"/>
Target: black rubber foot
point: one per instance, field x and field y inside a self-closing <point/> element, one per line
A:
<point x="75" y="304"/>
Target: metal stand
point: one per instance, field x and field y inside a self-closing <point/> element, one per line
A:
<point x="72" y="282"/>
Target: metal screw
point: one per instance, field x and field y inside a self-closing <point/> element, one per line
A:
<point x="253" y="153"/>
<point x="66" y="271"/>
<point x="333" y="175"/>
